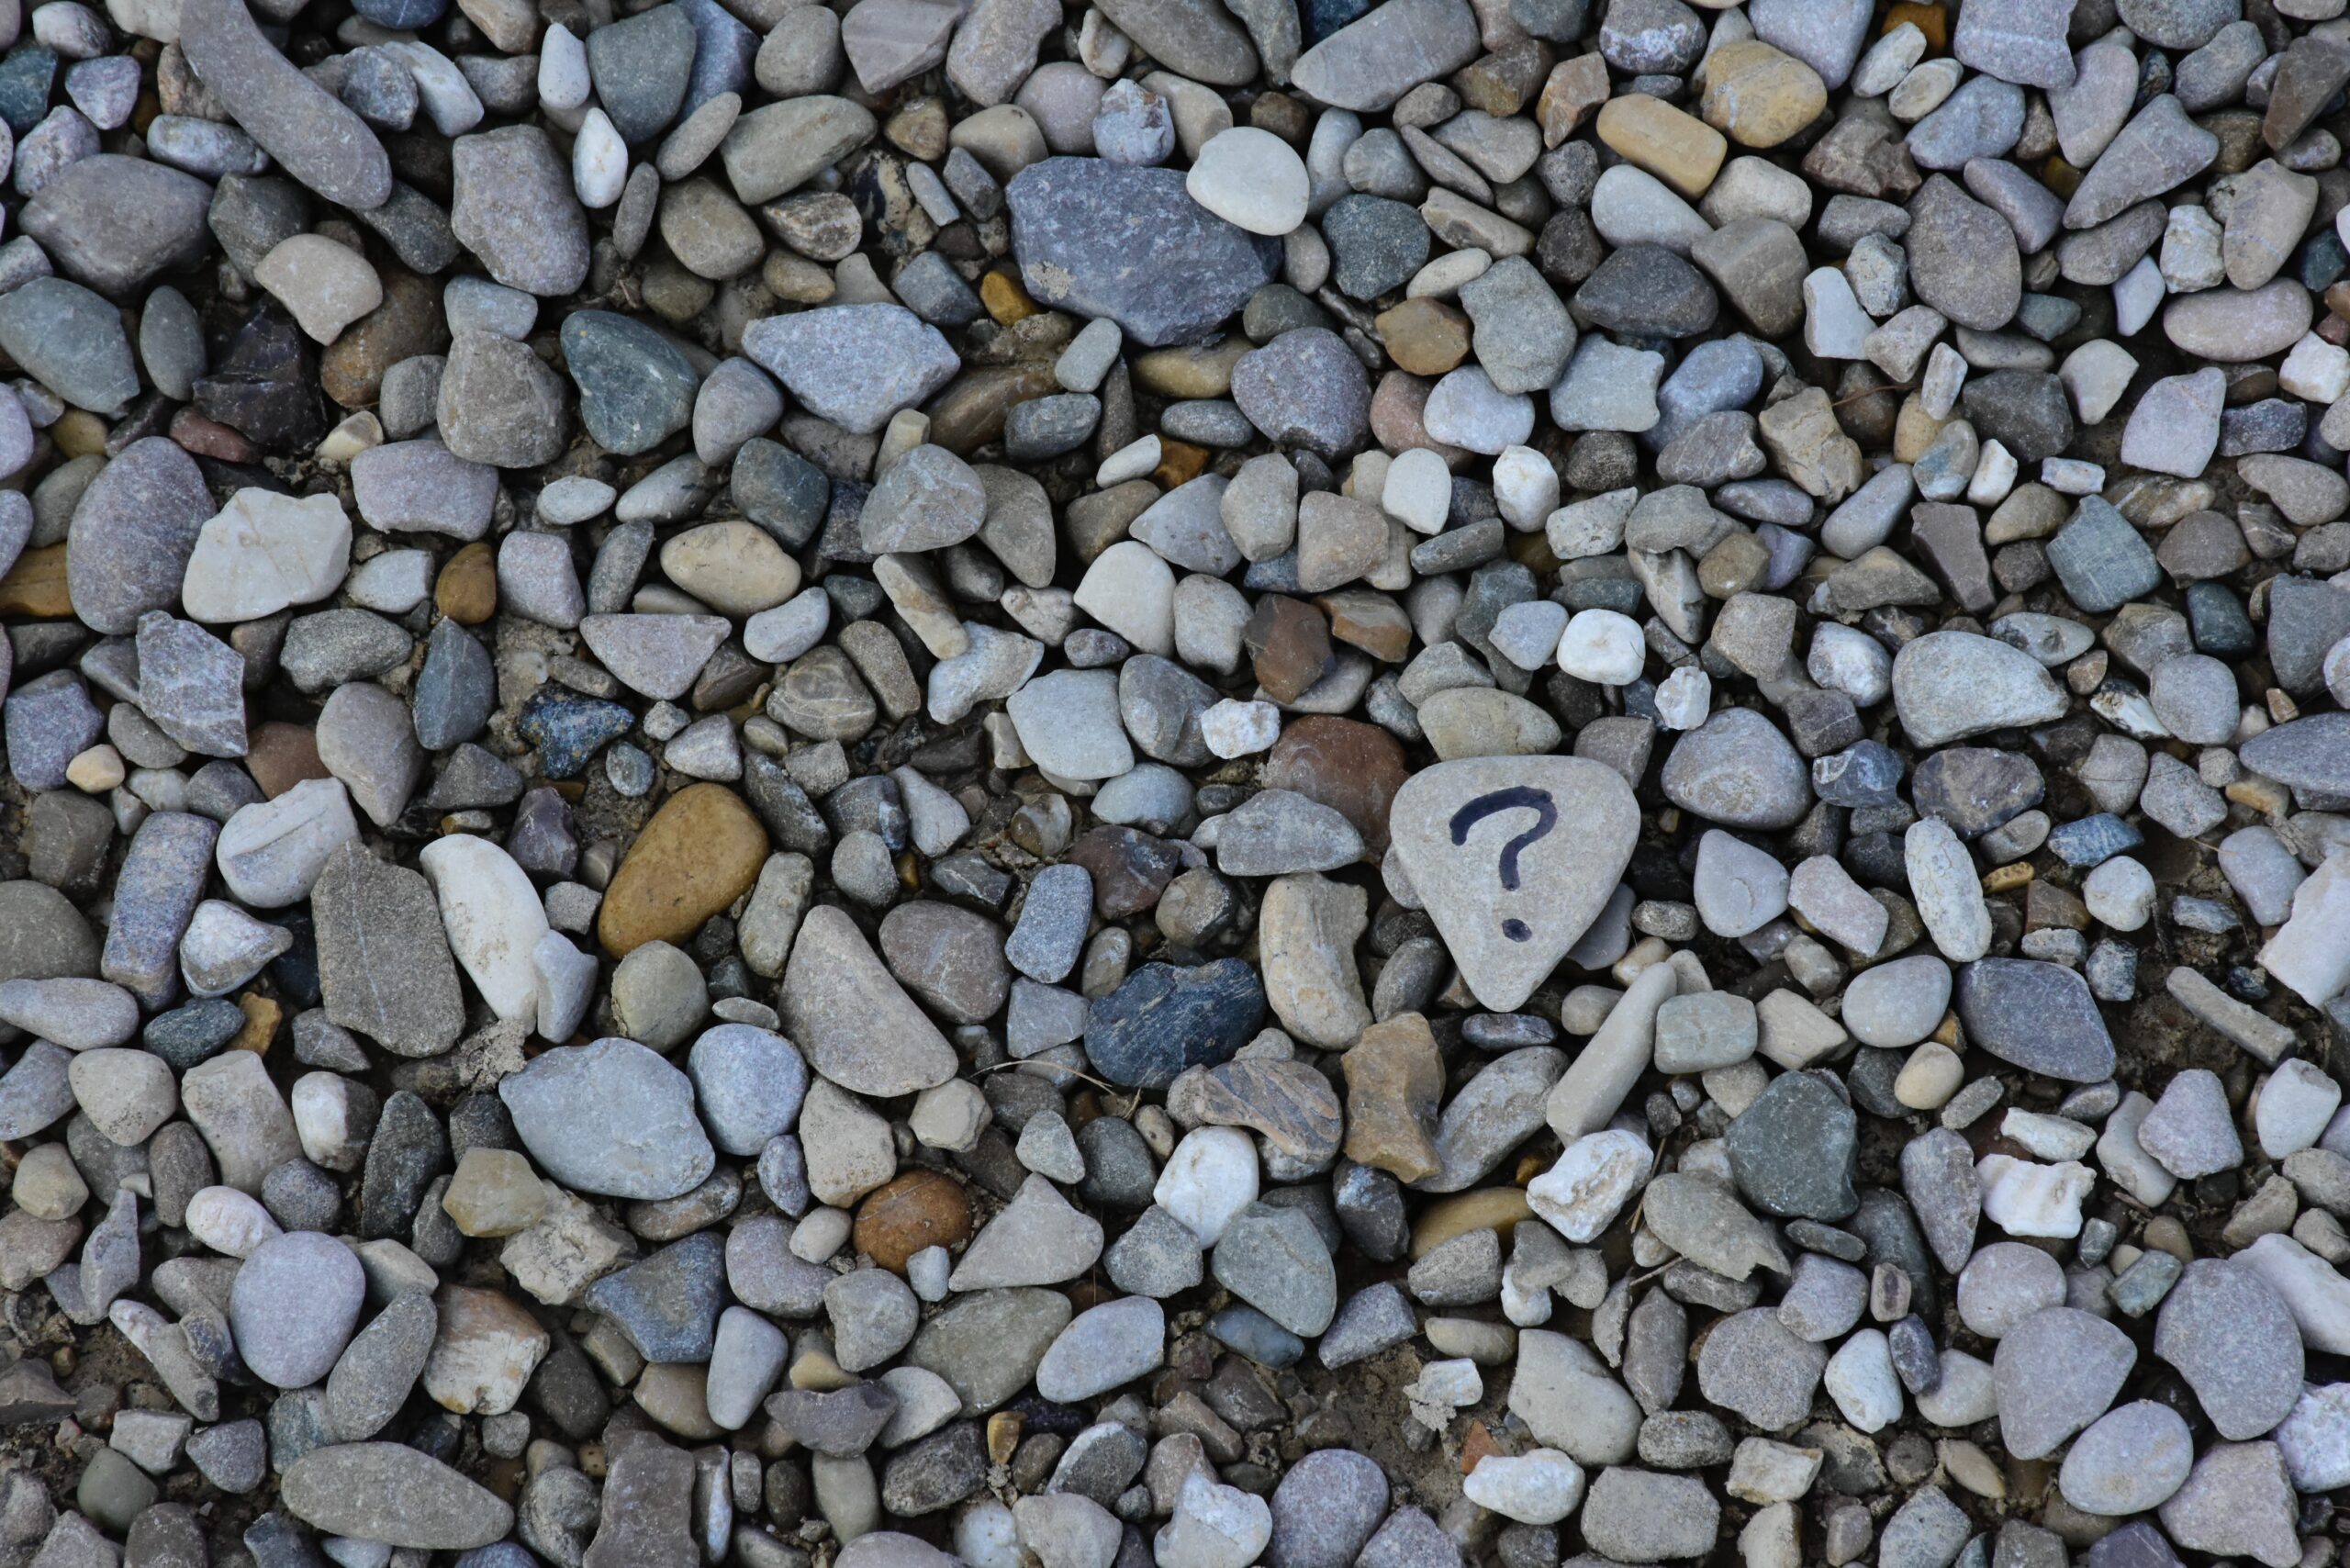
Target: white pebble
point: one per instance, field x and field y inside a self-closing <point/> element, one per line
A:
<point x="1233" y="728"/>
<point x="1603" y="646"/>
<point x="599" y="161"/>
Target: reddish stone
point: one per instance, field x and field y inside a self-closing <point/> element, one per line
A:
<point x="1130" y="869"/>
<point x="919" y="1209"/>
<point x="1351" y="767"/>
<point x="1289" y="642"/>
<point x="280" y="755"/>
<point x="210" y="438"/>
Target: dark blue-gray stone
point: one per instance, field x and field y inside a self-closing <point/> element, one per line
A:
<point x="71" y="341"/>
<point x="408" y="1149"/>
<point x="723" y="49"/>
<point x="669" y="1305"/>
<point x="48" y="723"/>
<point x="196" y="1032"/>
<point x="455" y="690"/>
<point x="2101" y="560"/>
<point x="2312" y="754"/>
<point x="568" y="731"/>
<point x="636" y="388"/>
<point x="2093" y="840"/>
<point x="1792" y="1151"/>
<point x="1128" y="243"/>
<point x="2038" y="1016"/>
<point x="780" y="490"/>
<point x="642" y="66"/>
<point x="401" y="16"/>
<point x="1164" y="1019"/>
<point x="1646" y="291"/>
<point x="2217" y="618"/>
<point x="1376" y="244"/>
<point x="25" y="79"/>
<point x="1867" y="773"/>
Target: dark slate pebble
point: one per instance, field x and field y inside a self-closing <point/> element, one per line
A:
<point x="1976" y="788"/>
<point x="455" y="690"/>
<point x="1867" y="773"/>
<point x="569" y="731"/>
<point x="1165" y="1019"/>
<point x="1104" y="238"/>
<point x="636" y="388"/>
<point x="1376" y="244"/>
<point x="409" y="1149"/>
<point x="189" y="1034"/>
<point x="936" y="1472"/>
<point x="780" y="490"/>
<point x="642" y="66"/>
<point x="1792" y="1151"/>
<point x="2024" y="410"/>
<point x="2039" y="1016"/>
<point x="25" y="79"/>
<point x="1646" y="291"/>
<point x="669" y="1305"/>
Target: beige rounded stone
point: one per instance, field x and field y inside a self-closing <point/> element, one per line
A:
<point x="327" y="285"/>
<point x="1927" y="1079"/>
<point x="736" y="567"/>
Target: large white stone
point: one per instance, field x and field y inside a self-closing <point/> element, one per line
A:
<point x="264" y="552"/>
<point x="1252" y="179"/>
<point x="1211" y="1177"/>
<point x="271" y="852"/>
<point x="493" y="917"/>
<point x="1514" y="858"/>
<point x="1537" y="1488"/>
<point x="2311" y="952"/>
<point x="1593" y="1179"/>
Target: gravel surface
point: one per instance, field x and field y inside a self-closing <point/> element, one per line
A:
<point x="1350" y="783"/>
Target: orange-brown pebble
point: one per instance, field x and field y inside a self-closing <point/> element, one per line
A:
<point x="468" y="590"/>
<point x="35" y="585"/>
<point x="280" y="755"/>
<point x="701" y="851"/>
<point x="919" y="1209"/>
<point x="210" y="438"/>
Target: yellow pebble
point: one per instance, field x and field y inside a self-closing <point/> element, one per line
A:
<point x="79" y="433"/>
<point x="1005" y="299"/>
<point x="97" y="770"/>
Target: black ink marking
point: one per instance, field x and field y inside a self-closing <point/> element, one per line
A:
<point x="1518" y="797"/>
<point x="1517" y="930"/>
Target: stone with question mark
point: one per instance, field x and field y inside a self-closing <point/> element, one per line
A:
<point x="1514" y="858"/>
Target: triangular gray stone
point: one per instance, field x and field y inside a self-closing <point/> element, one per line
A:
<point x="1454" y="826"/>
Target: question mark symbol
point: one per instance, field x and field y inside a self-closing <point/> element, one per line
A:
<point x="1518" y="797"/>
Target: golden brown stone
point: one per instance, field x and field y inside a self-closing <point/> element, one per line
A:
<point x="1424" y="336"/>
<point x="1369" y="620"/>
<point x="280" y="755"/>
<point x="1394" y="1080"/>
<point x="1005" y="299"/>
<point x="1490" y="1208"/>
<point x="261" y="1017"/>
<point x="970" y="413"/>
<point x="919" y="1209"/>
<point x="1197" y="371"/>
<point x="1759" y="96"/>
<point x="408" y="322"/>
<point x="466" y="591"/>
<point x="700" y="852"/>
<point x="35" y="585"/>
<point x="1650" y="134"/>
